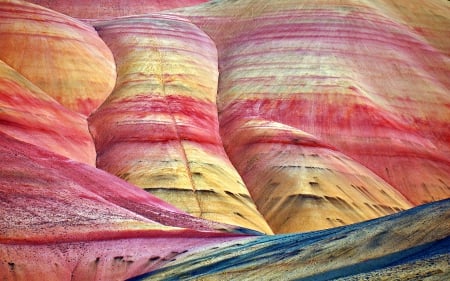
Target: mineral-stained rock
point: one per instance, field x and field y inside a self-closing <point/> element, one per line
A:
<point x="28" y="114"/>
<point x="323" y="106"/>
<point x="301" y="184"/>
<point x="159" y="128"/>
<point x="64" y="220"/>
<point x="104" y="9"/>
<point x="60" y="55"/>
<point x="369" y="78"/>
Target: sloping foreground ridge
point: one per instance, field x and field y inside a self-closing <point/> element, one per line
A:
<point x="398" y="245"/>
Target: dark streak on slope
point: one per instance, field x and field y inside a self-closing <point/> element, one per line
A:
<point x="418" y="233"/>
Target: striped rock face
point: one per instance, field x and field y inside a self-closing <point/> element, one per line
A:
<point x="301" y="184"/>
<point x="62" y="56"/>
<point x="28" y="114"/>
<point x="329" y="112"/>
<point x="358" y="76"/>
<point x="159" y="128"/>
<point x="70" y="221"/>
<point x="104" y="9"/>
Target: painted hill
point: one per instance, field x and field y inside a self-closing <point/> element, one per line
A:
<point x="69" y="221"/>
<point x="61" y="55"/>
<point x="166" y="145"/>
<point x="29" y="114"/>
<point x="368" y="78"/>
<point x="159" y="128"/>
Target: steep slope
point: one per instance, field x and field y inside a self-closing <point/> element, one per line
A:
<point x="68" y="221"/>
<point x="332" y="112"/>
<point x="60" y="55"/>
<point x="28" y="114"/>
<point x="159" y="128"/>
<point x="301" y="184"/>
<point x="421" y="233"/>
<point x="357" y="75"/>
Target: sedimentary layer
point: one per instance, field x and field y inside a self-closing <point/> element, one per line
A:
<point x="368" y="78"/>
<point x="65" y="220"/>
<point x="30" y="115"/>
<point x="61" y="55"/>
<point x="159" y="128"/>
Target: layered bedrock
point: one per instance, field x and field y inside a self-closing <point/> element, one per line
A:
<point x="369" y="78"/>
<point x="159" y="128"/>
<point x="30" y="115"/>
<point x="301" y="184"/>
<point x="105" y="9"/>
<point x="62" y="56"/>
<point x="66" y="220"/>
